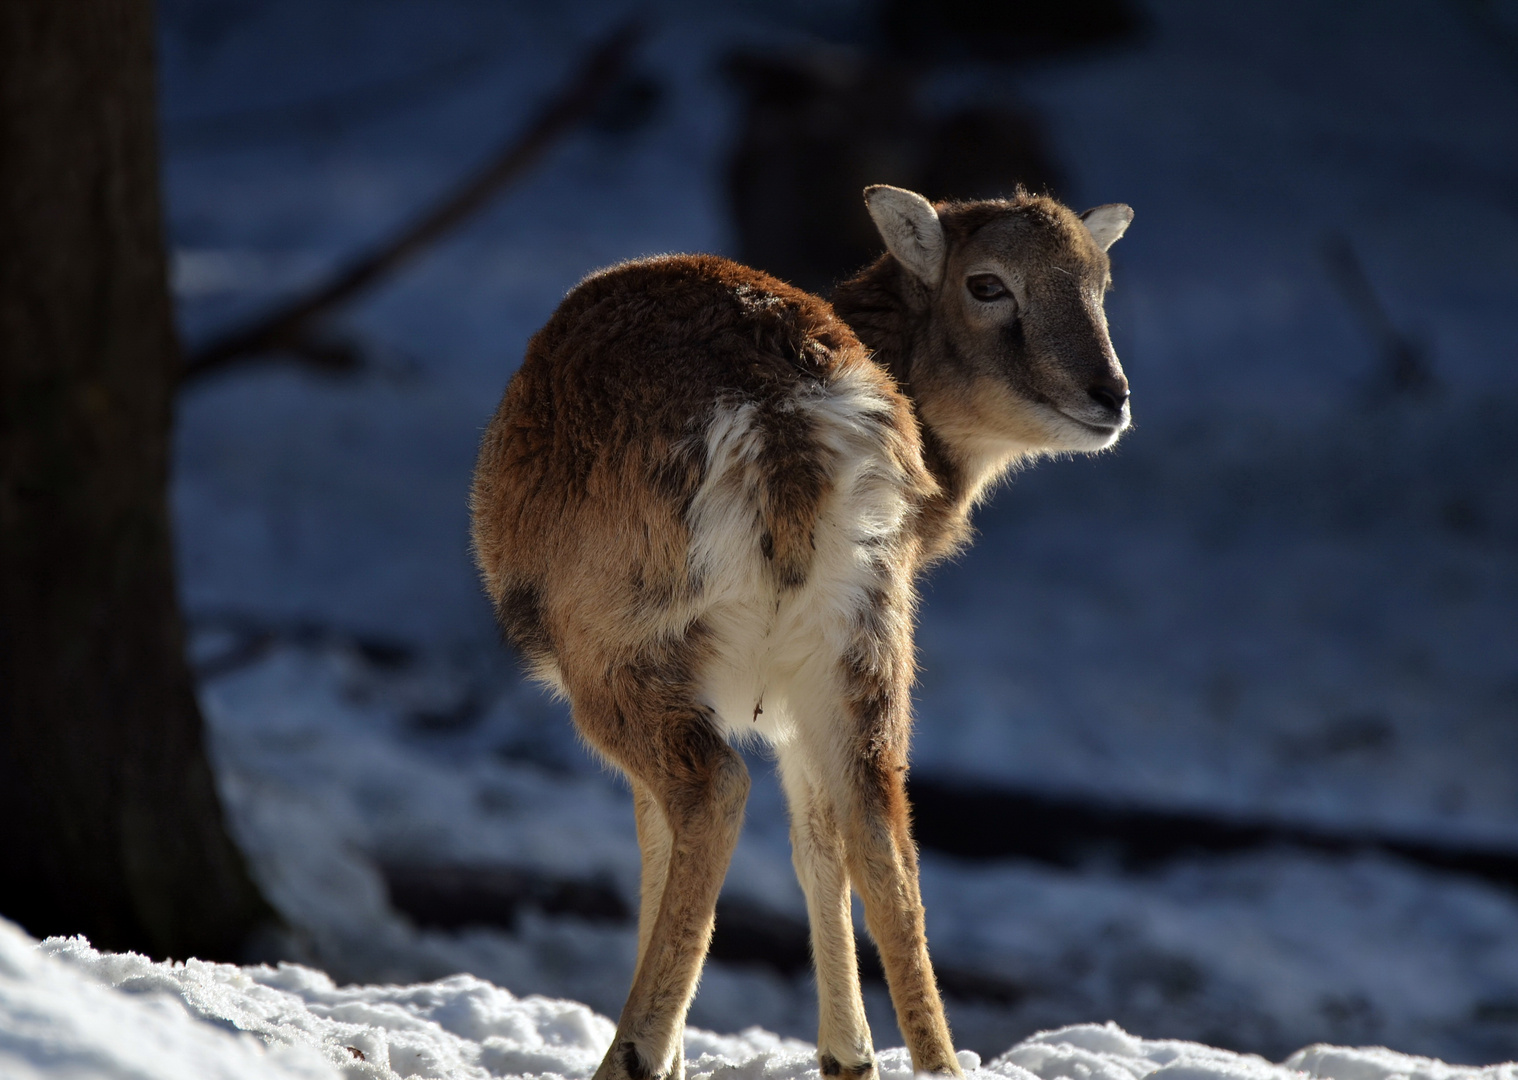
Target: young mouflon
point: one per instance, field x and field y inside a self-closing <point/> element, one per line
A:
<point x="701" y="509"/>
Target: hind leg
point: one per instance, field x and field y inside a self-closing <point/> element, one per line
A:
<point x="654" y="843"/>
<point x="692" y="780"/>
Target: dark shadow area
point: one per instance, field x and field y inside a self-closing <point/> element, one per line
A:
<point x="820" y="126"/>
<point x="454" y="897"/>
<point x="971" y="822"/>
<point x="1006" y="33"/>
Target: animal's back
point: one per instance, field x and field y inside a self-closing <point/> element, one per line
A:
<point x="674" y="433"/>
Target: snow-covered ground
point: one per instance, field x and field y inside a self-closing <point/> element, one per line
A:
<point x="325" y="774"/>
<point x="1288" y="595"/>
<point x="68" y="1011"/>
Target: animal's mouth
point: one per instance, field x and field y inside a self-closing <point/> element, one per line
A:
<point x="1111" y="427"/>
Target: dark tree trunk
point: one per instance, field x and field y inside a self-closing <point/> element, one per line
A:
<point x="110" y="823"/>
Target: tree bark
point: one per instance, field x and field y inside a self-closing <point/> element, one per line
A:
<point x="110" y="824"/>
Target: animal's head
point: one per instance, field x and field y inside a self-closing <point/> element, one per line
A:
<point x="1012" y="355"/>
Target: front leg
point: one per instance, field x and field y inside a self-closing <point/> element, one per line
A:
<point x="844" y="1049"/>
<point x="883" y="865"/>
<point x="868" y="772"/>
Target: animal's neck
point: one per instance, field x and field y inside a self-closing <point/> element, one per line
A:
<point x="884" y="308"/>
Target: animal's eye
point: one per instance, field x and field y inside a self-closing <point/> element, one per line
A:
<point x="986" y="287"/>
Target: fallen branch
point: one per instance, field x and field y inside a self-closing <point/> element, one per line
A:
<point x="451" y="897"/>
<point x="973" y="821"/>
<point x="288" y="327"/>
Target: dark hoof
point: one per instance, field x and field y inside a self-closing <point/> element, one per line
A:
<point x="831" y="1067"/>
<point x="632" y="1064"/>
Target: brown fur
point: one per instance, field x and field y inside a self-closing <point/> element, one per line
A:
<point x="586" y="497"/>
<point x="597" y="446"/>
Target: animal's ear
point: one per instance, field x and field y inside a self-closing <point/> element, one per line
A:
<point x="1108" y="222"/>
<point x="910" y="228"/>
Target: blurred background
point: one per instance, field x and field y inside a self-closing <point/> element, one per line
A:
<point x="1216" y="732"/>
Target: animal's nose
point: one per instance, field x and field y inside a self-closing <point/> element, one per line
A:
<point x="1110" y="392"/>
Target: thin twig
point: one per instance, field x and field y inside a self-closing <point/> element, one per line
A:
<point x="288" y="324"/>
<point x="1405" y="361"/>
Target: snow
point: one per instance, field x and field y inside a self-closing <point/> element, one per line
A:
<point x="1284" y="596"/>
<point x="70" y="1011"/>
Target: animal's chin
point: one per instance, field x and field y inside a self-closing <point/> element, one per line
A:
<point x="1084" y="435"/>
